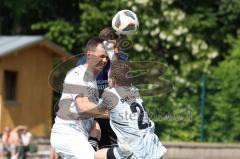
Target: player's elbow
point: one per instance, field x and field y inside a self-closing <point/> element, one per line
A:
<point x="84" y="109"/>
<point x="84" y="105"/>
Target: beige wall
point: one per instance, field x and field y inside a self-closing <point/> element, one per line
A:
<point x="34" y="96"/>
<point x="201" y="151"/>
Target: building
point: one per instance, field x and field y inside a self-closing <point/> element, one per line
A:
<point x="25" y="95"/>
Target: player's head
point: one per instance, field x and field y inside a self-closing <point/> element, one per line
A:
<point x="109" y="34"/>
<point x="120" y="74"/>
<point x="7" y="129"/>
<point x="25" y="130"/>
<point x="96" y="55"/>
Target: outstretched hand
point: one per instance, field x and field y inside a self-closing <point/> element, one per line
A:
<point x="109" y="48"/>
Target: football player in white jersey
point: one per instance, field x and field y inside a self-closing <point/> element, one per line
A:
<point x="128" y="118"/>
<point x="70" y="132"/>
<point x="108" y="137"/>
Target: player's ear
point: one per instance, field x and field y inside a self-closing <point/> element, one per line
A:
<point x="89" y="53"/>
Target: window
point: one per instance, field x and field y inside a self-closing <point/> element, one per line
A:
<point x="10" y="78"/>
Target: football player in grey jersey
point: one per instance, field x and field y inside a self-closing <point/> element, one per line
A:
<point x="128" y="118"/>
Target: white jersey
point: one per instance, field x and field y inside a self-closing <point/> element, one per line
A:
<point x="130" y="122"/>
<point x="78" y="82"/>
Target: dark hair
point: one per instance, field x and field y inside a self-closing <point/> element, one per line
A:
<point x="121" y="71"/>
<point x="93" y="43"/>
<point x="108" y="33"/>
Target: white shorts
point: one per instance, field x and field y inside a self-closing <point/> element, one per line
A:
<point x="71" y="144"/>
<point x="152" y="148"/>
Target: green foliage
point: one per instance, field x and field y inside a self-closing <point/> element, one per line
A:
<point x="17" y="16"/>
<point x="59" y="31"/>
<point x="95" y="16"/>
<point x="224" y="99"/>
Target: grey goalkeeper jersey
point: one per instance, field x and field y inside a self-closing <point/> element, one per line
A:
<point x="130" y="122"/>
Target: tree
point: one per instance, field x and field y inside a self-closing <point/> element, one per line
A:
<point x="95" y="15"/>
<point x="17" y="16"/>
<point x="224" y="98"/>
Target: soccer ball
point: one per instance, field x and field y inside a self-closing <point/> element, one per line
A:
<point x="125" y="22"/>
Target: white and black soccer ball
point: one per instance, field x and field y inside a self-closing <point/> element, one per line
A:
<point x="125" y="22"/>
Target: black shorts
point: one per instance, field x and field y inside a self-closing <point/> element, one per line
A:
<point x="110" y="154"/>
<point x="108" y="137"/>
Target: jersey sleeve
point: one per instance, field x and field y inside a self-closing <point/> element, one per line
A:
<point x="74" y="85"/>
<point x="108" y="100"/>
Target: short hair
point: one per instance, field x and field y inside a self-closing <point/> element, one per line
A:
<point x="108" y="33"/>
<point x="93" y="43"/>
<point x="121" y="71"/>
